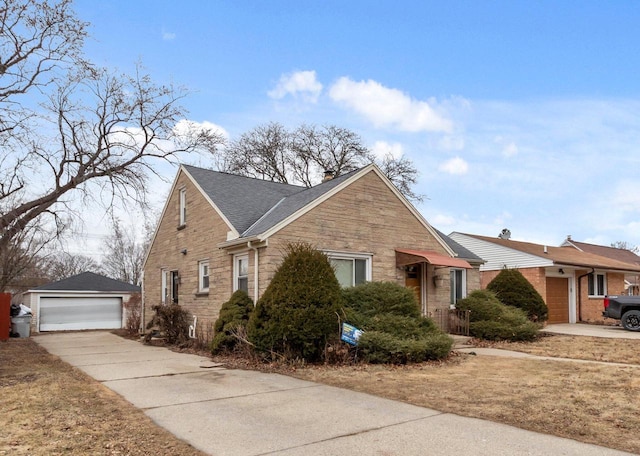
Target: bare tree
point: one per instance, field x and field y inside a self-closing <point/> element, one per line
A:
<point x="63" y="265"/>
<point x="94" y="135"/>
<point x="21" y="261"/>
<point x="264" y="153"/>
<point x="624" y="245"/>
<point x="302" y="156"/>
<point x="124" y="255"/>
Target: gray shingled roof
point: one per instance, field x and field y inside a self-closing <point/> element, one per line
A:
<point x="462" y="252"/>
<point x="88" y="281"/>
<point x="253" y="206"/>
<point x="243" y="200"/>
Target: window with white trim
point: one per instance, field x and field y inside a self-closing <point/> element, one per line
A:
<point x="458" y="284"/>
<point x="164" y="289"/>
<point x="241" y="273"/>
<point x="183" y="206"/>
<point x="203" y="276"/>
<point x="597" y="284"/>
<point x="351" y="270"/>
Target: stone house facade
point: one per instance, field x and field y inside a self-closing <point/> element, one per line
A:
<point x="220" y="232"/>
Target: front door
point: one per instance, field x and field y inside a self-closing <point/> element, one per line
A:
<point x="413" y="280"/>
<point x="558" y="299"/>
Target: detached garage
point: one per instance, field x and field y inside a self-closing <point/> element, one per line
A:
<point x="84" y="301"/>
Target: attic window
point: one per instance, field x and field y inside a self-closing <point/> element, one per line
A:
<point x="183" y="206"/>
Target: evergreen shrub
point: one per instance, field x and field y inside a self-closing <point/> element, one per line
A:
<point x="298" y="313"/>
<point x="490" y="319"/>
<point x="394" y="330"/>
<point x="234" y="316"/>
<point x="513" y="289"/>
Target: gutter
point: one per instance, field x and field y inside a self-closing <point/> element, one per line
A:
<point x="255" y="271"/>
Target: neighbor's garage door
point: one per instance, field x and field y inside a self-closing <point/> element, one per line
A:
<point x="58" y="314"/>
<point x="558" y="299"/>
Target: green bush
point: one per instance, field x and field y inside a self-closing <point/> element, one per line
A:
<point x="173" y="322"/>
<point x="394" y="330"/>
<point x="234" y="315"/>
<point x="490" y="319"/>
<point x="513" y="289"/>
<point x="298" y="312"/>
<point x="375" y="298"/>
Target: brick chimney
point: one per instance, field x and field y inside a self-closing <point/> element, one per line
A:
<point x="328" y="175"/>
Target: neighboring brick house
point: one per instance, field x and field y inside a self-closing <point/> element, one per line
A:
<point x="572" y="282"/>
<point x="220" y="232"/>
<point x="631" y="281"/>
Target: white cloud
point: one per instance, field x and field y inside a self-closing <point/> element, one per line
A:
<point x="301" y="84"/>
<point x="450" y="142"/>
<point x="382" y="148"/>
<point x="386" y="107"/>
<point x="168" y="36"/>
<point x="510" y="150"/>
<point x="455" y="165"/>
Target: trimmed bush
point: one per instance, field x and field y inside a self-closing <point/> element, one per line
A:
<point x="234" y="315"/>
<point x="490" y="319"/>
<point x="298" y="312"/>
<point x="394" y="330"/>
<point x="375" y="298"/>
<point x="173" y="322"/>
<point x="513" y="289"/>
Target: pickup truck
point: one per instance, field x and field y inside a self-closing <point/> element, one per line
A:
<point x="623" y="308"/>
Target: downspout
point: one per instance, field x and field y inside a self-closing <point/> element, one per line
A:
<point x="142" y="324"/>
<point x="255" y="271"/>
<point x="580" y="293"/>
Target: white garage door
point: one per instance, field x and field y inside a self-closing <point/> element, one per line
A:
<point x="58" y="314"/>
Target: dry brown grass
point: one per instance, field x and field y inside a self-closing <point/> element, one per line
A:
<point x="578" y="347"/>
<point x="51" y="408"/>
<point x="592" y="403"/>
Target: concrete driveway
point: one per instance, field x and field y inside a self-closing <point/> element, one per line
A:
<point x="236" y="412"/>
<point x="583" y="329"/>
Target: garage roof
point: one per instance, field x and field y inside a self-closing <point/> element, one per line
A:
<point x="89" y="281"/>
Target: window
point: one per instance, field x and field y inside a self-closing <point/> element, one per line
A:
<point x="458" y="285"/>
<point x="351" y="271"/>
<point x="241" y="273"/>
<point x="203" y="276"/>
<point x="175" y="281"/>
<point x="597" y="284"/>
<point x="183" y="206"/>
<point x="164" y="290"/>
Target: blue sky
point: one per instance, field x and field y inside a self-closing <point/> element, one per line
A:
<point x="519" y="115"/>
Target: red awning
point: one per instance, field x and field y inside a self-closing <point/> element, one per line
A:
<point x="407" y="256"/>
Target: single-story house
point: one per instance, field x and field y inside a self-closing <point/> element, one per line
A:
<point x="220" y="232"/>
<point x="572" y="282"/>
<point x="631" y="281"/>
<point x="83" y="301"/>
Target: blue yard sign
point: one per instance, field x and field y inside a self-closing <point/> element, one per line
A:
<point x="350" y="334"/>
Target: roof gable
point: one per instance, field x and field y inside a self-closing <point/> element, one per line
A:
<point x="89" y="281"/>
<point x="258" y="208"/>
<point x="242" y="200"/>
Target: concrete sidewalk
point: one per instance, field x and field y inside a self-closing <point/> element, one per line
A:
<point x="235" y="412"/>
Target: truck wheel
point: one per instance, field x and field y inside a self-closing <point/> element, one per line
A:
<point x="631" y="320"/>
